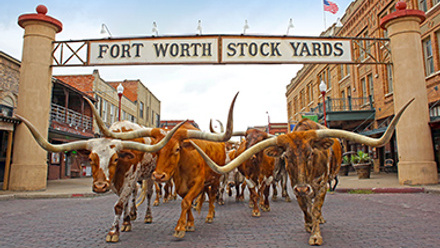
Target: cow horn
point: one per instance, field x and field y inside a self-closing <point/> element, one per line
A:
<point x="151" y="148"/>
<point x="211" y="129"/>
<point x="76" y="145"/>
<point x="196" y="134"/>
<point x="238" y="160"/>
<point x="336" y="133"/>
<point x="144" y="132"/>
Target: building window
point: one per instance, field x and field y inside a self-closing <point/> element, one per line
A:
<point x="104" y="110"/>
<point x="147" y="116"/>
<point x="422" y="5"/>
<point x="124" y="115"/>
<point x="429" y="62"/>
<point x="302" y="99"/>
<point x="390" y="78"/>
<point x="364" y="90"/>
<point x="371" y="85"/>
<point x="112" y="113"/>
<point x="310" y="91"/>
<point x="141" y="110"/>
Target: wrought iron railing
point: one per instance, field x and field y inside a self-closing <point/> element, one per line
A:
<point x="345" y="104"/>
<point x="72" y="118"/>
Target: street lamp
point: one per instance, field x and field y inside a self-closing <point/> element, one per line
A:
<point x="268" y="122"/>
<point x="120" y="90"/>
<point x="323" y="89"/>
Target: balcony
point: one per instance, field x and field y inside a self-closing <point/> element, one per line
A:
<point x="346" y="109"/>
<point x="67" y="120"/>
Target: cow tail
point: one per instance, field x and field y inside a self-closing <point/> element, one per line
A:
<point x="143" y="194"/>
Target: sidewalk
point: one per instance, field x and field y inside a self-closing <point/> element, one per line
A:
<point x="82" y="187"/>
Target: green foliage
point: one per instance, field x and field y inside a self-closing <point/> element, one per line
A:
<point x="360" y="158"/>
<point x="346" y="160"/>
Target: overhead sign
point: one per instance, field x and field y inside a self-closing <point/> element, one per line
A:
<point x="219" y="50"/>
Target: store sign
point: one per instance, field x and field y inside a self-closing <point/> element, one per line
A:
<point x="219" y="50"/>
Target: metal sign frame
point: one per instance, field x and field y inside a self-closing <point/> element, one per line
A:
<point x="261" y="49"/>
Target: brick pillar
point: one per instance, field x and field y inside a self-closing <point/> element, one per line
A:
<point x="416" y="152"/>
<point x="29" y="167"/>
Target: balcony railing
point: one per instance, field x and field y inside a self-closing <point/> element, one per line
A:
<point x="345" y="105"/>
<point x="73" y="119"/>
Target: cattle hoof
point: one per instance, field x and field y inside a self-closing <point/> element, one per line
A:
<point x="266" y="209"/>
<point x="190" y="228"/>
<point x="288" y="199"/>
<point x="126" y="227"/>
<point x="256" y="214"/>
<point x="221" y="202"/>
<point x="179" y="234"/>
<point x="165" y="200"/>
<point x="315" y="240"/>
<point x="274" y="198"/>
<point x="133" y="216"/>
<point x="148" y="220"/>
<point x="209" y="220"/>
<point x="112" y="237"/>
<point x="156" y="203"/>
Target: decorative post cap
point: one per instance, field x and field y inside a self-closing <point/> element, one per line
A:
<point x="40" y="16"/>
<point x="401" y="11"/>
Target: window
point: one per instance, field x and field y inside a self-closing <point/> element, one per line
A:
<point x="141" y="110"/>
<point x="348" y="69"/>
<point x="429" y="62"/>
<point x="341" y="69"/>
<point x="147" y="117"/>
<point x="302" y="99"/>
<point x="104" y="110"/>
<point x="124" y="115"/>
<point x="422" y="5"/>
<point x="112" y="113"/>
<point x="348" y="91"/>
<point x="364" y="90"/>
<point x="310" y="89"/>
<point x="390" y="78"/>
<point x="329" y="79"/>
<point x="371" y="85"/>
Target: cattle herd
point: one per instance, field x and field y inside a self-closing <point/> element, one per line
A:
<point x="196" y="164"/>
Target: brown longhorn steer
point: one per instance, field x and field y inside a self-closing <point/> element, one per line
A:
<point x="306" y="153"/>
<point x="178" y="160"/>
<point x="116" y="165"/>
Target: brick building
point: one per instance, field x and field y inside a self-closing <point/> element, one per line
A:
<point x="359" y="97"/>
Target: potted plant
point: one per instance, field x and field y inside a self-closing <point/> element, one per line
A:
<point x="362" y="164"/>
<point x="345" y="166"/>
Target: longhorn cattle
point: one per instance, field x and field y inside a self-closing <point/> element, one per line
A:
<point x="334" y="153"/>
<point x="192" y="177"/>
<point x="116" y="165"/>
<point x="307" y="156"/>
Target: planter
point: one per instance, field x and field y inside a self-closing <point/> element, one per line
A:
<point x="344" y="170"/>
<point x="363" y="170"/>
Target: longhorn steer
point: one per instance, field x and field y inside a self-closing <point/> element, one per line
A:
<point x="305" y="152"/>
<point x="116" y="165"/>
<point x="192" y="177"/>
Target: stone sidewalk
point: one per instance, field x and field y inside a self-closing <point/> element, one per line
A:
<point x="82" y="187"/>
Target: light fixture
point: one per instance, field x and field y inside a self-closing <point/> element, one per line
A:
<point x="246" y="26"/>
<point x="105" y="31"/>
<point x="338" y="23"/>
<point x="120" y="90"/>
<point x="155" y="30"/>
<point x="289" y="26"/>
<point x="199" y="27"/>
<point x="323" y="89"/>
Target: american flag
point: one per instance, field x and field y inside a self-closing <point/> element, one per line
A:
<point x="330" y="7"/>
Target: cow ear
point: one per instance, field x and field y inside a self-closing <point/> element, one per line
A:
<point x="126" y="155"/>
<point x="274" y="151"/>
<point x="321" y="143"/>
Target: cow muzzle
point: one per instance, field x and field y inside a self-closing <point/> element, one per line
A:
<point x="101" y="187"/>
<point x="159" y="177"/>
<point x="303" y="190"/>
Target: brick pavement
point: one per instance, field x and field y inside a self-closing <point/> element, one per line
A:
<point x="353" y="220"/>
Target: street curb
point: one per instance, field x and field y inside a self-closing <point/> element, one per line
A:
<point x="49" y="196"/>
<point x="381" y="190"/>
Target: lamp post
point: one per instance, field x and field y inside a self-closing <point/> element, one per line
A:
<point x="268" y="122"/>
<point x="323" y="89"/>
<point x="120" y="90"/>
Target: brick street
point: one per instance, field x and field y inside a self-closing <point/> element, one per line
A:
<point x="353" y="220"/>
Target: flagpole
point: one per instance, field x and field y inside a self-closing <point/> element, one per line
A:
<point x="323" y="14"/>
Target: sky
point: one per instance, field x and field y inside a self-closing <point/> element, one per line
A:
<point x="195" y="92"/>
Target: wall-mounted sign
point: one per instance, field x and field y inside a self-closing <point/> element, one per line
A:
<point x="219" y="49"/>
